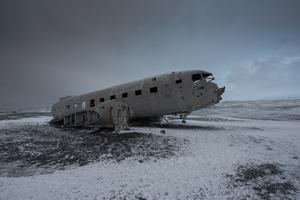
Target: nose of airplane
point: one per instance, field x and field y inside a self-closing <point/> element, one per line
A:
<point x="220" y="91"/>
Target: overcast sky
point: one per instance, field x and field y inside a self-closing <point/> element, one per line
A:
<point x="53" y="48"/>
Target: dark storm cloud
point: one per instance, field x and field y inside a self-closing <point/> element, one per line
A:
<point x="55" y="48"/>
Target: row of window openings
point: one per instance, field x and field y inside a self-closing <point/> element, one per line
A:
<point x="195" y="77"/>
<point x="124" y="95"/>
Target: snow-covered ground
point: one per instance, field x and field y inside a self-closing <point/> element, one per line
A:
<point x="235" y="150"/>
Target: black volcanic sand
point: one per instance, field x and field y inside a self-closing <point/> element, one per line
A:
<point x="184" y="126"/>
<point x="38" y="149"/>
<point x="267" y="180"/>
<point x="176" y="126"/>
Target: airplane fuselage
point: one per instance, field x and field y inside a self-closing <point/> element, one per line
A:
<point x="172" y="93"/>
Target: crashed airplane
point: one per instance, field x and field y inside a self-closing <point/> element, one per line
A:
<point x="147" y="99"/>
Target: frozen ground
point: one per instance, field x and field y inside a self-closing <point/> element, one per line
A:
<point x="235" y="150"/>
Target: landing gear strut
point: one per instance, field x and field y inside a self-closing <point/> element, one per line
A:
<point x="183" y="117"/>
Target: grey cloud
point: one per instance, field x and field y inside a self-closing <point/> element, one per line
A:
<point x="66" y="47"/>
<point x="266" y="78"/>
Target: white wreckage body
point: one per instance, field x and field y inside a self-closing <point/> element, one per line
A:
<point x="150" y="98"/>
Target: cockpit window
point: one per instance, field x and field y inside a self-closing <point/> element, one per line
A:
<point x="208" y="76"/>
<point x="196" y="77"/>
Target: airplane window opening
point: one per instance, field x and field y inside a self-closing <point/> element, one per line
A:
<point x="92" y="102"/>
<point x="153" y="89"/>
<point x="196" y="77"/>
<point x="112" y="97"/>
<point x="154" y="79"/>
<point x="83" y="106"/>
<point x="68" y="106"/>
<point x="138" y="92"/>
<point x="178" y="81"/>
<point x="124" y="95"/>
<point x="101" y="99"/>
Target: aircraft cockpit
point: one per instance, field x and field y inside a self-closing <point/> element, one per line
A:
<point x="204" y="75"/>
<point x="208" y="76"/>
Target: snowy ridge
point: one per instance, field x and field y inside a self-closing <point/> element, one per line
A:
<point x="24" y="121"/>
